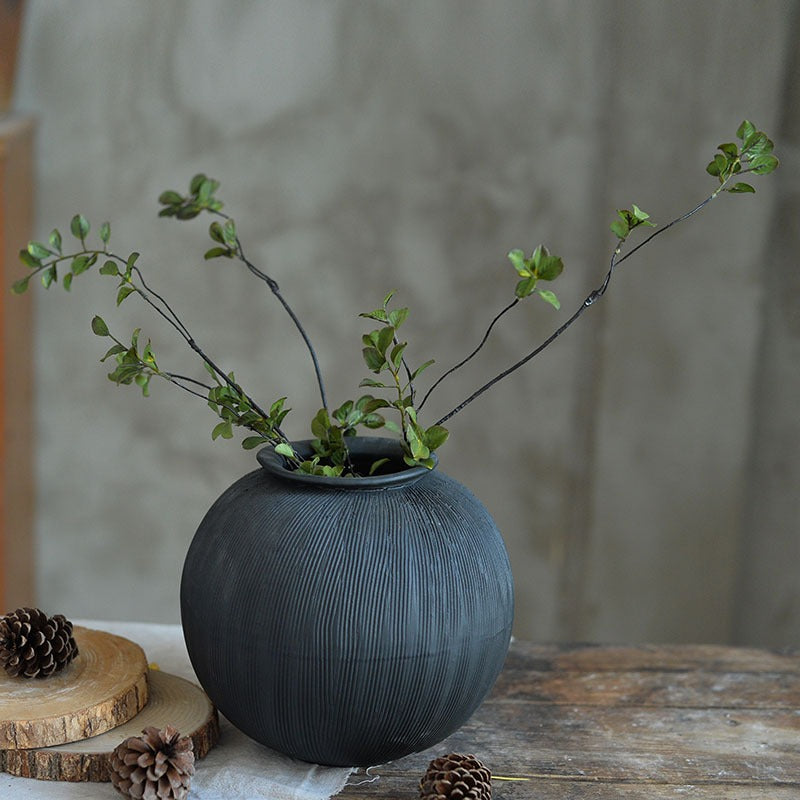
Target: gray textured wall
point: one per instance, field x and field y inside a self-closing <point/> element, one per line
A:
<point x="365" y="146"/>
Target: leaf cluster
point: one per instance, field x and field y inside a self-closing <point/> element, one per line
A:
<point x="753" y="155"/>
<point x="235" y="409"/>
<point x="629" y="219"/>
<point x="132" y="366"/>
<point x="201" y="197"/>
<point x="383" y="354"/>
<point x="540" y="266"/>
<point x="44" y="259"/>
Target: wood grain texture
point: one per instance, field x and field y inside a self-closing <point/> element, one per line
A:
<point x="173" y="701"/>
<point x="649" y="723"/>
<point x="105" y="686"/>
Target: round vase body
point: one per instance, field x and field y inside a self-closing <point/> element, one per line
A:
<point x="347" y="621"/>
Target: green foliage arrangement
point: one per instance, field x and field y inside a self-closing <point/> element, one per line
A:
<point x="393" y="389"/>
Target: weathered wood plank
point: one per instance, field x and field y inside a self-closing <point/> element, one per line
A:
<point x="393" y="786"/>
<point x="708" y="658"/>
<point x="622" y="722"/>
<point x="691" y="689"/>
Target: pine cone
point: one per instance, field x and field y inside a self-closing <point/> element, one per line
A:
<point x="33" y="645"/>
<point x="456" y="777"/>
<point x="156" y="766"/>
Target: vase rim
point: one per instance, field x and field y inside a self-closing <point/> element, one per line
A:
<point x="366" y="447"/>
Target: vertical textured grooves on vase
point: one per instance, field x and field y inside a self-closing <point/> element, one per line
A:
<point x="347" y="626"/>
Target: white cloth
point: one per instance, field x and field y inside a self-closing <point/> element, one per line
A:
<point x="236" y="768"/>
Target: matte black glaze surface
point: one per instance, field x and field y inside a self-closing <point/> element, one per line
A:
<point x="347" y="625"/>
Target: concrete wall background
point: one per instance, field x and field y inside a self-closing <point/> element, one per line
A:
<point x="365" y="146"/>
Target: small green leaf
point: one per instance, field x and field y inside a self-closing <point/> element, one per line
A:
<point x="764" y="164"/>
<point x="420" y="369"/>
<point x="79" y="264"/>
<point x="620" y="228"/>
<point x="109" y="268"/>
<point x="525" y="287"/>
<point x="741" y="188"/>
<point x="131" y="262"/>
<point x="517" y="259"/>
<point x="758" y="143"/>
<point x="28" y="260"/>
<point x="388" y="297"/>
<point x="99" y="327"/>
<point x="197" y="182"/>
<point x="67" y="281"/>
<point x="376" y="465"/>
<point x="746" y="130"/>
<point x="229" y="233"/>
<point x="143" y="381"/>
<point x="215" y="232"/>
<point x="55" y="240"/>
<point x="20" y="286"/>
<point x="38" y="250"/>
<point x="379" y="315"/>
<point x="251" y="442"/>
<point x="730" y="149"/>
<point x="223" y="429"/>
<point x="370" y="382"/>
<point x="436" y="436"/>
<point x="170" y="198"/>
<point x="396" y="356"/>
<point x="373" y="359"/>
<point x="550" y="297"/>
<point x="385" y="338"/>
<point x="105" y="232"/>
<point x="217" y="252"/>
<point x="114" y="350"/>
<point x="48" y="276"/>
<point x="285" y="449"/>
<point x="124" y="291"/>
<point x="79" y="226"/>
<point x="392" y="426"/>
<point x="398" y="317"/>
<point x="549" y="268"/>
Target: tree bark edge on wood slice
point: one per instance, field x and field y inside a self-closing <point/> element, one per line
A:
<point x="105" y="686"/>
<point x="173" y="701"/>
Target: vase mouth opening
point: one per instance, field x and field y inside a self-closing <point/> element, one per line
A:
<point x="364" y="452"/>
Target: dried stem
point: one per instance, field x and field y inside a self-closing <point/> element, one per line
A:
<point x="472" y="354"/>
<point x="275" y="289"/>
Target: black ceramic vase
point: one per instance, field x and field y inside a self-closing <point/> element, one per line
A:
<point x="347" y="621"/>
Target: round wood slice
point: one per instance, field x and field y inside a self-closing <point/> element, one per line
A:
<point x="173" y="701"/>
<point x="105" y="686"/>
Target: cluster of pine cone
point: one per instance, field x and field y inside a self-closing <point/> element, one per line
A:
<point x="456" y="777"/>
<point x="33" y="645"/>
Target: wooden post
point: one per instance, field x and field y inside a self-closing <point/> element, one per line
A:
<point x="16" y="367"/>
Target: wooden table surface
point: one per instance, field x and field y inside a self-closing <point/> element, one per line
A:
<point x="616" y="723"/>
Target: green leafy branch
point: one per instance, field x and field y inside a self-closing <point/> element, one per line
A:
<point x="202" y="198"/>
<point x="754" y="155"/>
<point x="225" y="397"/>
<point x="383" y="352"/>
